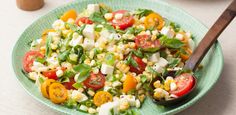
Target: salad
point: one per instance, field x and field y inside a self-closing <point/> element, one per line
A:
<point x="106" y="62"/>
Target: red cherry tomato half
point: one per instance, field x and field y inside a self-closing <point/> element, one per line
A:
<point x="95" y="81"/>
<point x="141" y="65"/>
<point x="69" y="85"/>
<point x="123" y="23"/>
<point x="184" y="84"/>
<point x="84" y="20"/>
<point x="29" y="59"/>
<point x="51" y="74"/>
<point x="145" y="42"/>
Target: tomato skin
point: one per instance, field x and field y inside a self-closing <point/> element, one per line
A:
<point x="144" y="42"/>
<point x="184" y="84"/>
<point x="124" y="22"/>
<point x="29" y="59"/>
<point x="51" y="74"/>
<point x="84" y="20"/>
<point x="141" y="65"/>
<point x="95" y="81"/>
<point x="69" y="84"/>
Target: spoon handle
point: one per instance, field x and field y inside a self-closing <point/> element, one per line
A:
<point x="211" y="37"/>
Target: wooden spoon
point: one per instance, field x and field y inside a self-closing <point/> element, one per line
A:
<point x="203" y="47"/>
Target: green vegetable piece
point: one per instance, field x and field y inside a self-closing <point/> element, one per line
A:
<point x="173" y="62"/>
<point x="138" y="53"/>
<point x="84" y="71"/>
<point x="48" y="46"/>
<point x="63" y="56"/>
<point x="77" y="85"/>
<point x="97" y="17"/>
<point x="143" y="78"/>
<point x="110" y="59"/>
<point x="40" y="60"/>
<point x="171" y="42"/>
<point x="142" y="12"/>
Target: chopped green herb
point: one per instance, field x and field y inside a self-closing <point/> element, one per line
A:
<point x="48" y="46"/>
<point x="97" y="17"/>
<point x="171" y="42"/>
<point x="173" y="62"/>
<point x="142" y="12"/>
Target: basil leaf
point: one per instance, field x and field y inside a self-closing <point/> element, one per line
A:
<point x="68" y="74"/>
<point x="125" y="41"/>
<point x="40" y="60"/>
<point x="109" y="27"/>
<point x="97" y="17"/>
<point x="84" y="71"/>
<point x="171" y="42"/>
<point x="48" y="45"/>
<point x="63" y="56"/>
<point x="142" y="12"/>
<point x="173" y="62"/>
<point x="83" y="75"/>
<point x="77" y="85"/>
<point x="132" y="30"/>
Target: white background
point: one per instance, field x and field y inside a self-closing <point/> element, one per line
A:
<point x="14" y="99"/>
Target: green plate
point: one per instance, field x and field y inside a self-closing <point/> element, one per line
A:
<point x="207" y="77"/>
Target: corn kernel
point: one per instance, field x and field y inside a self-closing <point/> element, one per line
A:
<point x="157" y="84"/>
<point x="108" y="16"/>
<point x="124" y="106"/>
<point x="87" y="61"/>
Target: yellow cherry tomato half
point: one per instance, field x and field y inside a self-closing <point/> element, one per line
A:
<point x="57" y="93"/>
<point x="69" y="14"/>
<point x="129" y="83"/>
<point x="154" y="20"/>
<point x="102" y="97"/>
<point x="45" y="87"/>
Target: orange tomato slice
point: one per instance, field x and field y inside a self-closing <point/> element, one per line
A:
<point x="154" y="20"/>
<point x="69" y="14"/>
<point x="45" y="87"/>
<point x="129" y="83"/>
<point x="102" y="97"/>
<point x="57" y="93"/>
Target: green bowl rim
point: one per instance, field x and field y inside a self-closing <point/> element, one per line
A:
<point x="173" y="111"/>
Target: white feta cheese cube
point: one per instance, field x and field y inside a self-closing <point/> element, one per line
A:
<point x="118" y="16"/>
<point x="58" y="24"/>
<point x="137" y="103"/>
<point x="191" y="44"/>
<point x="173" y="86"/>
<point x="33" y="75"/>
<point x="157" y="68"/>
<point x="88" y="44"/>
<point x="168" y="32"/>
<point x="162" y="62"/>
<point x="116" y="84"/>
<point x="179" y="36"/>
<point x="83" y="108"/>
<point x="91" y="8"/>
<point x="188" y="34"/>
<point x="89" y="32"/>
<point x="154" y="57"/>
<point x="59" y="73"/>
<point x="142" y="19"/>
<point x="76" y="40"/>
<point x="78" y="96"/>
<point x="38" y="67"/>
<point x="115" y="36"/>
<point x="105" y="109"/>
<point x="107" y="69"/>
